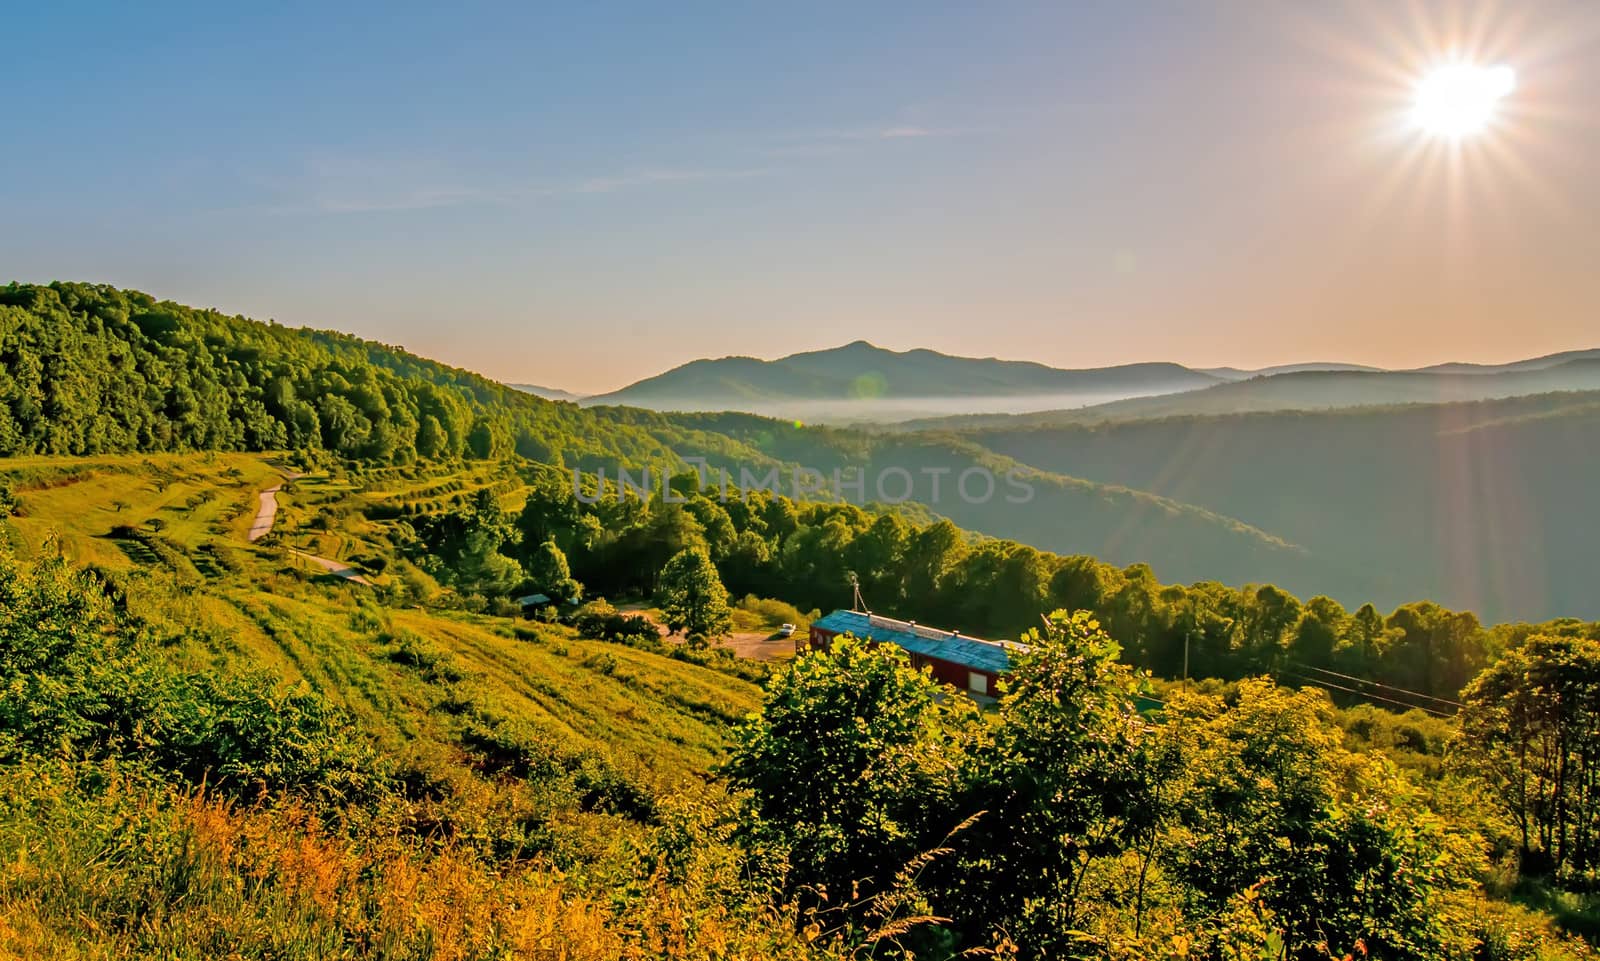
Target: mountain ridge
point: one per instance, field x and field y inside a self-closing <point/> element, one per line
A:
<point x="1307" y="391"/>
<point x="860" y="382"/>
<point x="862" y="374"/>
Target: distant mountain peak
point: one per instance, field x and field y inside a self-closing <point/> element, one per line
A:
<point x="863" y="380"/>
<point x="548" y="393"/>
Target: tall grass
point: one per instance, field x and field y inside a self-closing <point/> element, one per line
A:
<point x="96" y="862"/>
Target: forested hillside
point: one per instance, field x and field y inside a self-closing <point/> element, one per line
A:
<point x="1421" y="493"/>
<point x="1116" y="523"/>
<point x="91" y="369"/>
<point x="339" y="735"/>
<point x="1485" y="506"/>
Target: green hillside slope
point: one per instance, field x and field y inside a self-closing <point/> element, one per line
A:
<point x="178" y="522"/>
<point x="1486" y="506"/>
<point x="1118" y="523"/>
<point x="92" y="369"/>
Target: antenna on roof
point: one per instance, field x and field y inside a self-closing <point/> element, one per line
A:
<point x="856" y="603"/>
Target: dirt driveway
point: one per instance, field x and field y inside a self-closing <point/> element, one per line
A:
<point x="755" y="645"/>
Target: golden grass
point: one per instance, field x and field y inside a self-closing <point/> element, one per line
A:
<point x="158" y="875"/>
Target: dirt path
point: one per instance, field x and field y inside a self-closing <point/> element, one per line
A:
<point x="760" y="646"/>
<point x="262" y="526"/>
<point x="265" y="514"/>
<point x="335" y="568"/>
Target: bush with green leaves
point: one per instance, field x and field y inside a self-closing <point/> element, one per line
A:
<point x="1342" y="848"/>
<point x="848" y="771"/>
<point x="80" y="677"/>
<point x="413" y="650"/>
<point x="1064" y="782"/>
<point x="1067" y="823"/>
<point x="603" y="622"/>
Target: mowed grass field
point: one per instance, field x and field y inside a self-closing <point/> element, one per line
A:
<point x="414" y="678"/>
<point x="190" y="500"/>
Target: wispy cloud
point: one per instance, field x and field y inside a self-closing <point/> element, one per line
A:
<point x="645" y="178"/>
<point x="417" y="198"/>
<point x="378" y="184"/>
<point x="358" y="183"/>
<point x="830" y="142"/>
<point x="896" y="131"/>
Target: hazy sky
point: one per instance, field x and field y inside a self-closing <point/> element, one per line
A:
<point x="583" y="195"/>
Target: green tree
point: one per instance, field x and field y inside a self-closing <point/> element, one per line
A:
<point x="1064" y="785"/>
<point x="432" y="441"/>
<point x="551" y="513"/>
<point x="464" y="546"/>
<point x="549" y="574"/>
<point x="691" y="595"/>
<point x="1339" y="847"/>
<point x="1321" y="625"/>
<point x="847" y="770"/>
<point x="1531" y="728"/>
<point x="1434" y="650"/>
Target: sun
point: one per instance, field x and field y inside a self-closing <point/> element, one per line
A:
<point x="1459" y="100"/>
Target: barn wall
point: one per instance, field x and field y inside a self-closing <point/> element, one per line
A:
<point x="946" y="672"/>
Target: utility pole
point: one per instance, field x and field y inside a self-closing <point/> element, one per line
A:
<point x="1186" y="636"/>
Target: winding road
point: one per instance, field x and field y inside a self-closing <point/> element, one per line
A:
<point x="267" y="512"/>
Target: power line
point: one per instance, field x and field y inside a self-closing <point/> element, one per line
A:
<point x="1379" y="684"/>
<point x="1369" y="695"/>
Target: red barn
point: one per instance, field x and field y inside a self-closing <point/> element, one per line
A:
<point x="970" y="663"/>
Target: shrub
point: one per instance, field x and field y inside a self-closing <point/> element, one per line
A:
<point x="413" y="650"/>
<point x="588" y="777"/>
<point x="77" y="677"/>
<point x="249" y="735"/>
<point x="602" y="663"/>
<point x="603" y="622"/>
<point x="770" y="611"/>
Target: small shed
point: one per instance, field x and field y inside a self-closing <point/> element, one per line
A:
<point x="970" y="663"/>
<point x="532" y="602"/>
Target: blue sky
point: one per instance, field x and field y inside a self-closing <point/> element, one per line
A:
<point x="581" y="196"/>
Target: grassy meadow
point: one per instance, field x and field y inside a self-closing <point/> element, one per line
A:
<point x="540" y="769"/>
<point x="305" y="766"/>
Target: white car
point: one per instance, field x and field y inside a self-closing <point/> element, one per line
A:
<point x="786" y="630"/>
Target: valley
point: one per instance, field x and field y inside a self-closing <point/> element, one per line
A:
<point x="777" y="482"/>
<point x="403" y="620"/>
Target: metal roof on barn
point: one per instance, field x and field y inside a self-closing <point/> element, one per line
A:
<point x="951" y="646"/>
